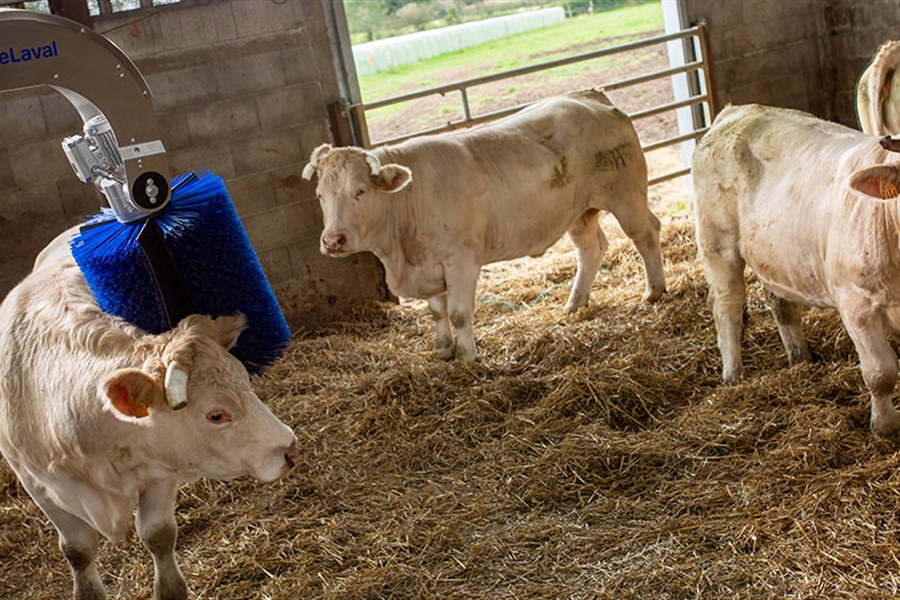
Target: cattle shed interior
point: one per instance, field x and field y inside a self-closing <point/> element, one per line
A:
<point x="593" y="455"/>
<point x="250" y="88"/>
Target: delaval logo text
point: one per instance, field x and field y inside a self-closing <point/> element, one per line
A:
<point x="18" y="55"/>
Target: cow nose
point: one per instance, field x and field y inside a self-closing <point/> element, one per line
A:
<point x="292" y="454"/>
<point x="333" y="241"/>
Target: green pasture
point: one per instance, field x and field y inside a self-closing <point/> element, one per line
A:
<point x="580" y="34"/>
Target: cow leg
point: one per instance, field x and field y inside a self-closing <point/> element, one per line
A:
<point x="78" y="541"/>
<point x="790" y="327"/>
<point x="590" y="244"/>
<point x="156" y="527"/>
<point x="642" y="227"/>
<point x="724" y="267"/>
<point x="462" y="281"/>
<point x="879" y="368"/>
<point x="443" y="341"/>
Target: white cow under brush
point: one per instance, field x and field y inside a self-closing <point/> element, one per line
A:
<point x="437" y="208"/>
<point x="86" y="417"/>
<point x="811" y="207"/>
<point x="878" y="92"/>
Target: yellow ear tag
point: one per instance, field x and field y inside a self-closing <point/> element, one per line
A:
<point x="888" y="190"/>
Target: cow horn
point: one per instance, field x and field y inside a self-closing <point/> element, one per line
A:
<point x="308" y="171"/>
<point x="176" y="386"/>
<point x="374" y="163"/>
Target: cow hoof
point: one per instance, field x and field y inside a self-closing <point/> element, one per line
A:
<point x="465" y="357"/>
<point x="653" y="295"/>
<point x="443" y="353"/>
<point x="570" y="308"/>
<point x="892" y="437"/>
<point x="888" y="432"/>
<point x="732" y="378"/>
<point x="797" y="356"/>
<point x="576" y="301"/>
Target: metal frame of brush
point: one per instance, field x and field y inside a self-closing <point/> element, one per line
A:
<point x="159" y="254"/>
<point x="76" y="62"/>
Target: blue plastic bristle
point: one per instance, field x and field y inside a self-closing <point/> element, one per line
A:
<point x="214" y="258"/>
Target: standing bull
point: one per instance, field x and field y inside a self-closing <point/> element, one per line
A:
<point x="435" y="209"/>
<point x="88" y="419"/>
<point x="878" y="93"/>
<point x="810" y="206"/>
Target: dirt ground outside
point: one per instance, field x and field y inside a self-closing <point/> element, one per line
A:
<point x="585" y="456"/>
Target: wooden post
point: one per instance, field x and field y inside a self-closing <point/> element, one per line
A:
<point x="340" y="124"/>
<point x="77" y="10"/>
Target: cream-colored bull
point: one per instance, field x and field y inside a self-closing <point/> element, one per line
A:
<point x="811" y="208"/>
<point x="437" y="208"/>
<point x="88" y="417"/>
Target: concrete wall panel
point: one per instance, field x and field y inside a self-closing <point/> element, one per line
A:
<point x="805" y="54"/>
<point x="239" y="87"/>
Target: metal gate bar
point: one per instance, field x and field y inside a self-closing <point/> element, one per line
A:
<point x="696" y="134"/>
<point x="700" y="66"/>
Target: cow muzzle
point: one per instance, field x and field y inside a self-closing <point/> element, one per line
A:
<point x="334" y="243"/>
<point x="292" y="454"/>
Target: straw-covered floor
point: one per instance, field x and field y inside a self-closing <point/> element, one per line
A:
<point x="592" y="455"/>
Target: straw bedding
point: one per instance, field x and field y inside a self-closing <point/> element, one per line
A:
<point x="593" y="455"/>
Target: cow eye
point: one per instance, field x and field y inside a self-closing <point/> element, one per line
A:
<point x="218" y="417"/>
<point x="360" y="192"/>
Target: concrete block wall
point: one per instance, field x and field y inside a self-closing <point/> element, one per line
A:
<point x="803" y="54"/>
<point x="854" y="31"/>
<point x="763" y="50"/>
<point x="39" y="194"/>
<point x="239" y="87"/>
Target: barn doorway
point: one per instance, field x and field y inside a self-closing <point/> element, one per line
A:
<point x="652" y="65"/>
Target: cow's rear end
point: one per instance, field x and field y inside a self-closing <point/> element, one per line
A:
<point x="811" y="208"/>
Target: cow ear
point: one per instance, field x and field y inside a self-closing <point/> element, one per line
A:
<point x="229" y="329"/>
<point x="392" y="178"/>
<point x="130" y="393"/>
<point x="882" y="182"/>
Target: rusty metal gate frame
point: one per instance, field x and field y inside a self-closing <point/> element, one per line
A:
<point x="700" y="69"/>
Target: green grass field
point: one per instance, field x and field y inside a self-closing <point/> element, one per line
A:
<point x="590" y="31"/>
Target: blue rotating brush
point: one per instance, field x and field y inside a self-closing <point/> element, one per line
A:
<point x="193" y="256"/>
<point x="158" y="254"/>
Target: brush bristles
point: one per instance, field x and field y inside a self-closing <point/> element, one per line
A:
<point x="214" y="258"/>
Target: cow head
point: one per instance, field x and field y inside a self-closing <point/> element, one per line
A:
<point x="350" y="184"/>
<point x="881" y="181"/>
<point x="222" y="430"/>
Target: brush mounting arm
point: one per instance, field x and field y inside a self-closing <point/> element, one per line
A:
<point x="110" y="94"/>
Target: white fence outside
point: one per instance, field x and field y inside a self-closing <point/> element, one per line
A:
<point x="386" y="54"/>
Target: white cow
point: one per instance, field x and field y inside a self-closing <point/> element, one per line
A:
<point x="810" y="206"/>
<point x="437" y="208"/>
<point x="878" y="93"/>
<point x="86" y="421"/>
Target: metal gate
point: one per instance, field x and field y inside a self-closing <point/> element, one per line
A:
<point x="696" y="69"/>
